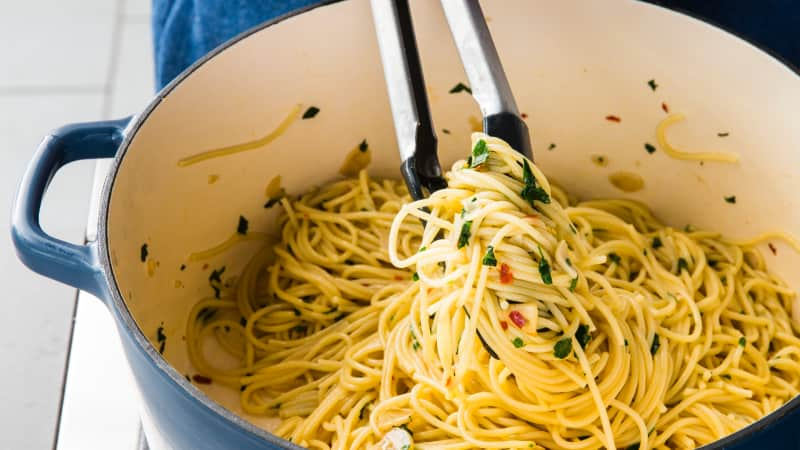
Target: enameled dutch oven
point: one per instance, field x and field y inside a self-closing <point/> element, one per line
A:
<point x="570" y="63"/>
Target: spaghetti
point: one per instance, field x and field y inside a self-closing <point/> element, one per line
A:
<point x="515" y="318"/>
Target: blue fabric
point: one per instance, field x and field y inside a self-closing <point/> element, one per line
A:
<point x="185" y="30"/>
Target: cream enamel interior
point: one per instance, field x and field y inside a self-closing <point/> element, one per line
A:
<point x="570" y="65"/>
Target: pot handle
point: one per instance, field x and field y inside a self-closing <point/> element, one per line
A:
<point x="72" y="264"/>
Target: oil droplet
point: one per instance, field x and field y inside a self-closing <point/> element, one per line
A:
<point x="600" y="160"/>
<point x="475" y="123"/>
<point x="213" y="178"/>
<point x="626" y="181"/>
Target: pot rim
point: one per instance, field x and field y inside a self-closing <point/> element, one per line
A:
<point x="123" y="314"/>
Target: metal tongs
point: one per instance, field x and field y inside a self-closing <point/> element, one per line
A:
<point x="416" y="137"/>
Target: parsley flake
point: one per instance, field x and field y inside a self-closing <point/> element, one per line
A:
<point x="614" y="258"/>
<point x="463" y="237"/>
<point x="582" y="335"/>
<point x="552" y="146"/>
<point x="649" y="148"/>
<point x="653" y="85"/>
<point x="731" y="199"/>
<point x="518" y="342"/>
<point x="742" y="342"/>
<point x="657" y="243"/>
<point x="573" y="284"/>
<point x="445" y="131"/>
<point x="310" y="112"/>
<point x="241" y="228"/>
<point x="143" y="252"/>
<point x="363" y="146"/>
<point x="682" y="265"/>
<point x="489" y="259"/>
<point x="544" y="268"/>
<point x="479" y="154"/>
<point x="460" y="87"/>
<point x="415" y="276"/>
<point x="655" y="345"/>
<point x="532" y="191"/>
<point x="562" y="348"/>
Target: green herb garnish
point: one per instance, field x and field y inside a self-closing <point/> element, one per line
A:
<point x="531" y="191"/>
<point x="573" y="284"/>
<point x="414" y="342"/>
<point x="582" y="335"/>
<point x="562" y="348"/>
<point x="143" y="253"/>
<point x="551" y="146"/>
<point x="544" y="268"/>
<point x="480" y="153"/>
<point x="422" y="249"/>
<point x="682" y="265"/>
<point x="489" y="259"/>
<point x="215" y="280"/>
<point x="655" y="345"/>
<point x="657" y="243"/>
<point x="310" y="112"/>
<point x="652" y="84"/>
<point x="614" y="258"/>
<point x="742" y="342"/>
<point x="241" y="228"/>
<point x="363" y="146"/>
<point x="415" y="276"/>
<point x="463" y="237"/>
<point x="445" y="131"/>
<point x="460" y="87"/>
<point x="725" y="134"/>
<point x="183" y="267"/>
<point x="518" y="342"/>
<point x="731" y="199"/>
<point x="650" y="148"/>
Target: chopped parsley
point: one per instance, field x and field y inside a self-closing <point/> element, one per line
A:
<point x="731" y="199"/>
<point x="614" y="258"/>
<point x="552" y="146"/>
<point x="650" y="148"/>
<point x="657" y="243"/>
<point x="161" y="338"/>
<point x="422" y="249"/>
<point x="486" y="345"/>
<point x="573" y="284"/>
<point x="682" y="265"/>
<point x="241" y="228"/>
<point x="653" y="85"/>
<point x="742" y="342"/>
<point x="363" y="146"/>
<point x="725" y="134"/>
<point x="633" y="447"/>
<point x="582" y="335"/>
<point x="275" y="200"/>
<point x="463" y="237"/>
<point x="655" y="345"/>
<point x="300" y="328"/>
<point x="143" y="253"/>
<point x="531" y="191"/>
<point x="415" y="276"/>
<point x="445" y="131"/>
<point x="489" y="259"/>
<point x="518" y="342"/>
<point x="183" y="267"/>
<point x="310" y="112"/>
<point x="414" y="342"/>
<point x="544" y="268"/>
<point x="480" y="153"/>
<point x="562" y="348"/>
<point x="460" y="87"/>
<point x="215" y="280"/>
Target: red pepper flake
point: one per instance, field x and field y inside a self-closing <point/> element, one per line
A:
<point x="612" y="118"/>
<point x="503" y="324"/>
<point x="398" y="278"/>
<point x="201" y="379"/>
<point x="524" y="115"/>
<point x="665" y="107"/>
<point x="772" y="248"/>
<point x="506" y="277"/>
<point x="449" y="381"/>
<point x="517" y="319"/>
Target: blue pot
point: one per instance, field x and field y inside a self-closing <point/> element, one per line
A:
<point x="155" y="212"/>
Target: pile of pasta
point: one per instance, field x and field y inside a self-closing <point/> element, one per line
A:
<point x="499" y="313"/>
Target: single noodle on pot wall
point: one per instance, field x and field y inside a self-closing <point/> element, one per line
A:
<point x="515" y="317"/>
